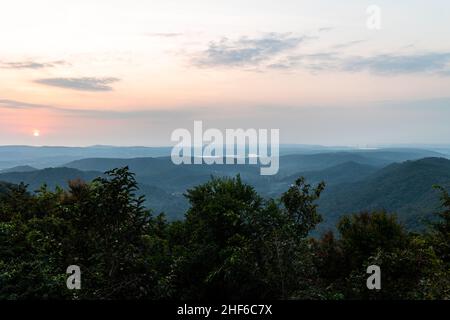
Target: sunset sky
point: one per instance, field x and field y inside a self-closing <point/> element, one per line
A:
<point x="79" y="72"/>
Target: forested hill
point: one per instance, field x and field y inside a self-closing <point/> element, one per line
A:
<point x="341" y="173"/>
<point x="404" y="188"/>
<point x="232" y="245"/>
<point x="4" y="187"/>
<point x="354" y="182"/>
<point x="52" y="177"/>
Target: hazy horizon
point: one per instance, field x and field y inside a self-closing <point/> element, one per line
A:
<point x="282" y="145"/>
<point x="118" y="72"/>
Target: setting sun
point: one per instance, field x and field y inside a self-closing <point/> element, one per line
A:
<point x="36" y="133"/>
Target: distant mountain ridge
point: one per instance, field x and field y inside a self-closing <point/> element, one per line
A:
<point x="19" y="169"/>
<point x="43" y="157"/>
<point x="52" y="177"/>
<point x="404" y="188"/>
<point x="341" y="173"/>
<point x="156" y="198"/>
<point x="360" y="180"/>
<point x="49" y="156"/>
<point x="376" y="158"/>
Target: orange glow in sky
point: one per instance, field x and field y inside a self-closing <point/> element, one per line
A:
<point x="82" y="72"/>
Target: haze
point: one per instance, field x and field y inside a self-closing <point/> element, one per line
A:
<point x="130" y="72"/>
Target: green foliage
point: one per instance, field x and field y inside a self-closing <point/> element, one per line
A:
<point x="364" y="233"/>
<point x="241" y="246"/>
<point x="300" y="205"/>
<point x="101" y="227"/>
<point x="411" y="268"/>
<point x="232" y="244"/>
<point x="404" y="188"/>
<point x="441" y="228"/>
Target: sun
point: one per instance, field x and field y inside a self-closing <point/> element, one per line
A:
<point x="36" y="133"/>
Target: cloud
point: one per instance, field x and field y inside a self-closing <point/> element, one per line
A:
<point x="386" y="64"/>
<point x="325" y="29"/>
<point x="81" y="84"/>
<point x="13" y="104"/>
<point x="163" y="34"/>
<point x="246" y="51"/>
<point x="280" y="51"/>
<point x="103" y="114"/>
<point x="30" y="64"/>
<point x="347" y="44"/>
<point x="436" y="63"/>
<point x="313" y="62"/>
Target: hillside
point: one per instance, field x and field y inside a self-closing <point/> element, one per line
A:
<point x="341" y="173"/>
<point x="161" y="170"/>
<point x="19" y="169"/>
<point x="362" y="184"/>
<point x="53" y="156"/>
<point x="52" y="177"/>
<point x="156" y="198"/>
<point x="376" y="158"/>
<point x="163" y="173"/>
<point x="405" y="188"/>
<point x="174" y="205"/>
<point x="45" y="156"/>
<point x="4" y="187"/>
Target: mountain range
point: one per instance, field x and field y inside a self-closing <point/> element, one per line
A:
<point x="398" y="180"/>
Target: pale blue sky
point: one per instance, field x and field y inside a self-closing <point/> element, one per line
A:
<point x="130" y="72"/>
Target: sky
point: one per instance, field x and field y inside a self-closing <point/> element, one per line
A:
<point x="115" y="72"/>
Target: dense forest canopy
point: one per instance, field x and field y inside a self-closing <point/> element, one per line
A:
<point x="232" y="244"/>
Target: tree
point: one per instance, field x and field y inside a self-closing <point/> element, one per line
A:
<point x="101" y="227"/>
<point x="240" y="246"/>
<point x="300" y="206"/>
<point x="216" y="261"/>
<point x="441" y="228"/>
<point x="233" y="244"/>
<point x="364" y="233"/>
<point x="410" y="268"/>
